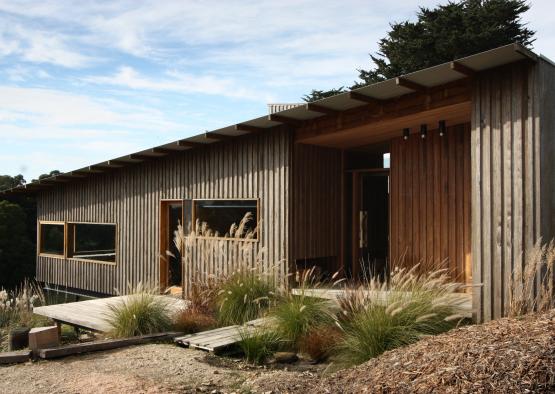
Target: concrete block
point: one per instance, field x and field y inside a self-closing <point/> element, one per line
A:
<point x="43" y="338"/>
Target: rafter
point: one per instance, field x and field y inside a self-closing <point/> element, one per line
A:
<point x="321" y="109"/>
<point x="284" y="119"/>
<point x="407" y="83"/>
<point x="363" y="98"/>
<point x="248" y="128"/>
<point x="462" y="69"/>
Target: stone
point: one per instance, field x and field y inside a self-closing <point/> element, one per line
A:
<point x="285" y="357"/>
<point x="43" y="338"/>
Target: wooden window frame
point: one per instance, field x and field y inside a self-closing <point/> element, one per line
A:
<point x="116" y="248"/>
<point x="39" y="239"/>
<point x="258" y="229"/>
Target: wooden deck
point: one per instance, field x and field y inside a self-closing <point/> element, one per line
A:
<point x="92" y="314"/>
<point x="220" y="338"/>
<point x="335" y="294"/>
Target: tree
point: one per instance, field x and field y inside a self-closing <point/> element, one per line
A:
<point x="447" y="32"/>
<point x="320" y="94"/>
<point x="17" y="252"/>
<point x="48" y="175"/>
<point x="8" y="182"/>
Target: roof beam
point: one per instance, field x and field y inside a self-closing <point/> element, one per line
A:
<point x="284" y="119"/>
<point x="139" y="156"/>
<point x="189" y="144"/>
<point x="248" y="128"/>
<point x="321" y="109"/>
<point x="71" y="175"/>
<point x="462" y="69"/>
<point x="218" y="136"/>
<point x="363" y="98"/>
<point x="163" y="151"/>
<point x="407" y="83"/>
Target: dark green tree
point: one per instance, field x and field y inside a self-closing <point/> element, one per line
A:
<point x="8" y="182"/>
<point x="454" y="30"/>
<point x="17" y="251"/>
<point x="320" y="94"/>
<point x="47" y="175"/>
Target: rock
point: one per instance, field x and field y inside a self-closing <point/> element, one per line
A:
<point x="18" y="339"/>
<point x="285" y="357"/>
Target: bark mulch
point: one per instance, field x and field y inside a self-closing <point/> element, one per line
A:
<point x="503" y="356"/>
<point x="507" y="355"/>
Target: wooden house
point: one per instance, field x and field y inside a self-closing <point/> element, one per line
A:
<point x="447" y="167"/>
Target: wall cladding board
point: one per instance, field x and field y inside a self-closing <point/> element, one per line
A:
<point x="430" y="202"/>
<point x="254" y="166"/>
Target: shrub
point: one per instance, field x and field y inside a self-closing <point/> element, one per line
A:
<point x="140" y="313"/>
<point x="244" y="296"/>
<point x="259" y="344"/>
<point x="415" y="305"/>
<point x="190" y="321"/>
<point x="320" y="342"/>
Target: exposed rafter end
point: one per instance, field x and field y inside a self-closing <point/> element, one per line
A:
<point x="248" y="128"/>
<point x="163" y="151"/>
<point x="217" y="136"/>
<point x="363" y="98"/>
<point x="407" y="83"/>
<point x="462" y="69"/>
<point x="525" y="52"/>
<point x="189" y="144"/>
<point x="321" y="109"/>
<point x="284" y="120"/>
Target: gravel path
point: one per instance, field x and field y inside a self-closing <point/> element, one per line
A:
<point x="154" y="368"/>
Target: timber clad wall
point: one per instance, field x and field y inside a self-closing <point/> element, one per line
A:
<point x="508" y="207"/>
<point x="316" y="204"/>
<point x="255" y="166"/>
<point x="430" y="202"/>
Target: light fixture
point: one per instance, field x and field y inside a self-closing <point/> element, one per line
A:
<point x="442" y="128"/>
<point x="406" y="132"/>
<point x="423" y="130"/>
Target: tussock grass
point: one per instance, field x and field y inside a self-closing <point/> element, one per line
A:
<point x="16" y="307"/>
<point x="414" y="306"/>
<point x="296" y="314"/>
<point x="140" y="313"/>
<point x="532" y="286"/>
<point x="258" y="345"/>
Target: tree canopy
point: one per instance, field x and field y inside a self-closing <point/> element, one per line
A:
<point x="8" y="182"/>
<point x="447" y="32"/>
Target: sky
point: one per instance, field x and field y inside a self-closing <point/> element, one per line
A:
<point x="84" y="82"/>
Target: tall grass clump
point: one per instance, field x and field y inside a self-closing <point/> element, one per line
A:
<point x="16" y="307"/>
<point x="258" y="345"/>
<point x="532" y="287"/>
<point x="296" y="314"/>
<point x="141" y="312"/>
<point x="389" y="315"/>
<point x="245" y="295"/>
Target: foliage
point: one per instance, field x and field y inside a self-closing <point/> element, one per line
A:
<point x="414" y="306"/>
<point x="259" y="344"/>
<point x="9" y="182"/>
<point x="320" y="342"/>
<point x="17" y="252"/>
<point x="454" y="30"/>
<point x="47" y="175"/>
<point x="296" y="314"/>
<point x="142" y="312"/>
<point x="16" y="307"/>
<point x="316" y="95"/>
<point x="531" y="288"/>
<point x="245" y="295"/>
<point x="191" y="320"/>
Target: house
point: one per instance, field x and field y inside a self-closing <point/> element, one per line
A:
<point x="447" y="167"/>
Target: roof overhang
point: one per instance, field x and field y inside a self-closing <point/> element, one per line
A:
<point x="419" y="80"/>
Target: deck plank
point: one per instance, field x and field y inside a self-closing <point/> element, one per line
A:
<point x="92" y="314"/>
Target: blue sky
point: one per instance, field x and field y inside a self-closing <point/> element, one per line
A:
<point x="83" y="82"/>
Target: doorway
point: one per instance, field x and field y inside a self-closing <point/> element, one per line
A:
<point x="371" y="214"/>
<point x="171" y="271"/>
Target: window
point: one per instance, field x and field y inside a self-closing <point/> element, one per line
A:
<point x="92" y="241"/>
<point x="51" y="238"/>
<point x="220" y="218"/>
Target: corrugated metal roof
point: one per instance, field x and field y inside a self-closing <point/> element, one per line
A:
<point x="427" y="78"/>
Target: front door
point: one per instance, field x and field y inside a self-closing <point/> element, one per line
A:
<point x="371" y="219"/>
<point x="170" y="263"/>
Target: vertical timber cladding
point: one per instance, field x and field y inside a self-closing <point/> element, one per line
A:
<point x="316" y="207"/>
<point x="505" y="180"/>
<point x="430" y="202"/>
<point x="254" y="166"/>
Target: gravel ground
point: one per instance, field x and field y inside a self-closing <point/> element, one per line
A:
<point x="153" y="368"/>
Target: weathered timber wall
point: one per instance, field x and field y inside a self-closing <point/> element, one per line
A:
<point x="254" y="166"/>
<point x="430" y="202"/>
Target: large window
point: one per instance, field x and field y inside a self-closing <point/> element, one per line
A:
<point x="92" y="241"/>
<point x="51" y="238"/>
<point x="223" y="218"/>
